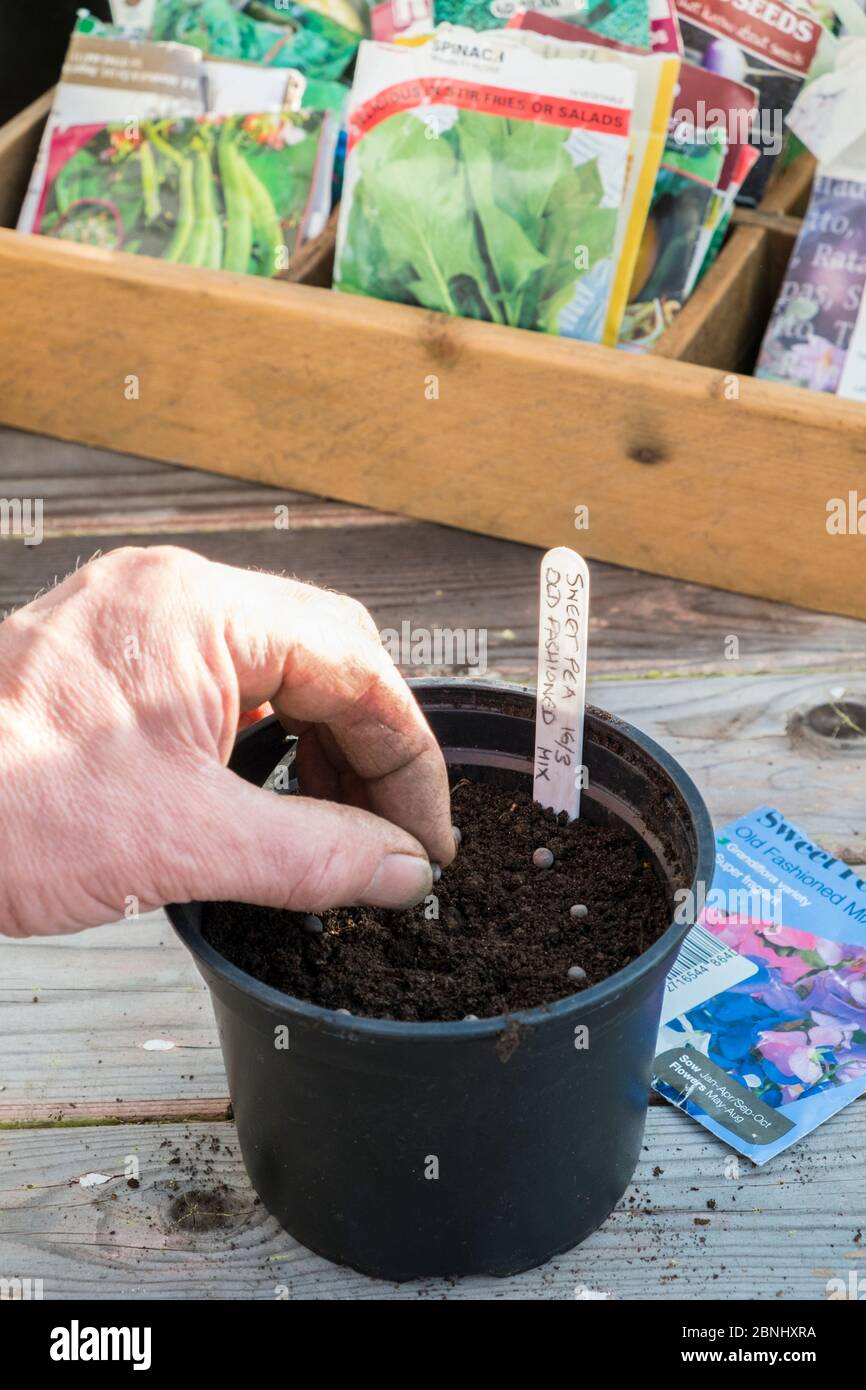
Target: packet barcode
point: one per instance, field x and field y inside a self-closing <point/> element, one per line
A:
<point x="699" y="948"/>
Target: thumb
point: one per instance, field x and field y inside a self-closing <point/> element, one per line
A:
<point x="251" y="845"/>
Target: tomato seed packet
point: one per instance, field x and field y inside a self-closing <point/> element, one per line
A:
<point x="763" y="1030"/>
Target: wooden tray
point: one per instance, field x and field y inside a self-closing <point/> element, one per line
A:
<point x="688" y="466"/>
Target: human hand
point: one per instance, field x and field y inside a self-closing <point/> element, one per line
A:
<point x="120" y="694"/>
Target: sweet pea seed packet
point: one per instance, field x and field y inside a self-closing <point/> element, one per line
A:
<point x="763" y="1030"/>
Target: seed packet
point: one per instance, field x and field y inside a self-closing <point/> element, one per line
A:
<point x="665" y="36"/>
<point x="625" y="20"/>
<point x="485" y="180"/>
<point x="704" y="154"/>
<point x="707" y="100"/>
<point x="763" y="1031"/>
<point x="240" y="193"/>
<point x="810" y="331"/>
<point x="110" y="77"/>
<point x="769" y="44"/>
<point x="401" y="21"/>
<point x="232" y="88"/>
<point x="656" y="76"/>
<point x="133" y="14"/>
<point x="682" y="197"/>
<point x="290" y="35"/>
<point x="739" y="162"/>
<point x="830" y="113"/>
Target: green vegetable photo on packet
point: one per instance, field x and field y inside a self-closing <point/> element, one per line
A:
<point x="239" y="193"/>
<point x="288" y="35"/>
<point x="627" y="21"/>
<point x="488" y="202"/>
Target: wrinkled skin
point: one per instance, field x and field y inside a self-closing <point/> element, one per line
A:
<point x="120" y="695"/>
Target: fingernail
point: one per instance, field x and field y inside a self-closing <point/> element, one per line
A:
<point x="401" y="880"/>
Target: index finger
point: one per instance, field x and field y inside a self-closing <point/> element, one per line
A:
<point x="317" y="657"/>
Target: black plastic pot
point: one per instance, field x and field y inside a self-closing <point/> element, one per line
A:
<point x="412" y="1149"/>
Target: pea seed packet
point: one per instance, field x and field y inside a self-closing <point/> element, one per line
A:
<point x="240" y="193"/>
<point x="485" y="180"/>
<point x="763" y="1030"/>
<point x="108" y="76"/>
<point x="284" y="35"/>
<point x="812" y="327"/>
<point x="772" y="45"/>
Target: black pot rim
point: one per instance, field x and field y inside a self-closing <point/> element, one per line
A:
<point x="597" y="995"/>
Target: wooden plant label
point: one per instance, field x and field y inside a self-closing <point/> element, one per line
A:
<point x="563" y="623"/>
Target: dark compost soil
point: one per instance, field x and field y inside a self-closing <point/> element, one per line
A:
<point x="504" y="938"/>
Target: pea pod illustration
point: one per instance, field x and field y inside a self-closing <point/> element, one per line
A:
<point x="239" y="218"/>
<point x="213" y="257"/>
<point x="201" y="247"/>
<point x="267" y="228"/>
<point x="185" y="215"/>
<point x="186" y="195"/>
<point x="149" y="182"/>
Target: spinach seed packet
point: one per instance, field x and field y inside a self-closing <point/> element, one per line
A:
<point x="485" y="181"/>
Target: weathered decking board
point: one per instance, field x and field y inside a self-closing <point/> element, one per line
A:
<point x="405" y="571"/>
<point x="771" y="1234"/>
<point x="76" y="1011"/>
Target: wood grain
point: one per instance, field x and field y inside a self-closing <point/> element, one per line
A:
<point x="75" y="1013"/>
<point x="19" y="144"/>
<point x="313" y="264"/>
<point x="788" y="193"/>
<point x="694" y="1223"/>
<point x="434" y="576"/>
<point x="722" y="325"/>
<point x="321" y="392"/>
